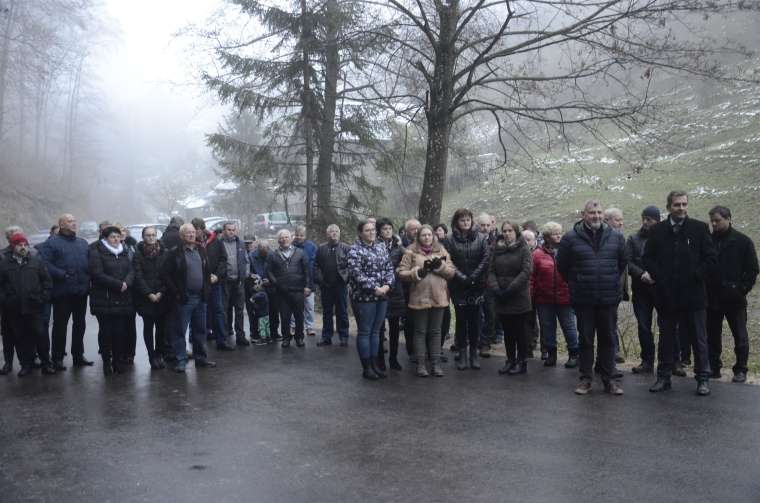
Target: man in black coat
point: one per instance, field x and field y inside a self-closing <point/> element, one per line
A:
<point x="679" y="257"/>
<point x="727" y="296"/>
<point x="331" y="272"/>
<point x="591" y="258"/>
<point x="188" y="281"/>
<point x="25" y="287"/>
<point x="170" y="238"/>
<point x="290" y="274"/>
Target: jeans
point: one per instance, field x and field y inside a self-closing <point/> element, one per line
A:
<point x="643" y="309"/>
<point x="334" y="303"/>
<point x="737" y="322"/>
<point x="234" y="303"/>
<point x="65" y="307"/>
<point x="192" y="314"/>
<point x="427" y="333"/>
<point x="291" y="306"/>
<point x="516" y="337"/>
<point x="113" y="334"/>
<point x="28" y="338"/>
<point x="596" y="321"/>
<point x="371" y="317"/>
<point x="217" y="322"/>
<point x="308" y="312"/>
<point x="691" y="324"/>
<point x="467" y="327"/>
<point x="548" y="314"/>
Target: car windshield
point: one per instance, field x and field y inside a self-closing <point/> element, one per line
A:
<point x="278" y="216"/>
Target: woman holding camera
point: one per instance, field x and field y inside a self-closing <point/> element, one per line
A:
<point x="427" y="266"/>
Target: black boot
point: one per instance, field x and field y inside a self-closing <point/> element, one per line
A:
<point x="702" y="388"/>
<point x="572" y="361"/>
<point x="7" y="368"/>
<point x="644" y="368"/>
<point x="662" y="384"/>
<point x="380" y="361"/>
<point x="462" y="359"/>
<point x="367" y="371"/>
<point x="551" y="358"/>
<point x="508" y="365"/>
<point x="380" y="373"/>
<point x="520" y="367"/>
<point x="107" y="366"/>
<point x="394" y="364"/>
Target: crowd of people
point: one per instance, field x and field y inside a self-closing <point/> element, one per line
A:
<point x="511" y="283"/>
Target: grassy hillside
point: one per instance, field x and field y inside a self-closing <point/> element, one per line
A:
<point x="708" y="144"/>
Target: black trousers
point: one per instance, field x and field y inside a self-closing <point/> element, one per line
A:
<point x="691" y="324"/>
<point x="596" y="321"/>
<point x="69" y="306"/>
<point x="113" y="335"/>
<point x="446" y="325"/>
<point x="6" y="329"/>
<point x="234" y="303"/>
<point x="274" y="313"/>
<point x="291" y="305"/>
<point x="154" y="335"/>
<point x="737" y="322"/>
<point x="409" y="332"/>
<point x="28" y="338"/>
<point x="131" y="340"/>
<point x="467" y="326"/>
<point x="394" y="332"/>
<point x="516" y="335"/>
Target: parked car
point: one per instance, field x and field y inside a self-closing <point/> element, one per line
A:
<point x="88" y="230"/>
<point x="270" y="223"/>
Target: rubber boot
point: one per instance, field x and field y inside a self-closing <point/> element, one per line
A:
<point x="367" y="371"/>
<point x="551" y="358"/>
<point x="474" y="359"/>
<point x="462" y="360"/>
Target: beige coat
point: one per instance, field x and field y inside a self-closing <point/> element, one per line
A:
<point x="432" y="290"/>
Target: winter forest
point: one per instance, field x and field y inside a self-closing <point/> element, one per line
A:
<point x="332" y="110"/>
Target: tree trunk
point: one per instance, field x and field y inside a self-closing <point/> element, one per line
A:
<point x="5" y="43"/>
<point x="439" y="115"/>
<point x="308" y="112"/>
<point x="325" y="212"/>
<point x="434" y="181"/>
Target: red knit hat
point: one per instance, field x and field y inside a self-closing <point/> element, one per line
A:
<point x="17" y="239"/>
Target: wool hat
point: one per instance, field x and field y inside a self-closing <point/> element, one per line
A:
<point x="17" y="239"/>
<point x="652" y="212"/>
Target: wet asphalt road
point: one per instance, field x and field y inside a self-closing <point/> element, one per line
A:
<point x="298" y="425"/>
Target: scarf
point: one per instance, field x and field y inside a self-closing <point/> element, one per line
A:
<point x="151" y="251"/>
<point x="427" y="250"/>
<point x="116" y="251"/>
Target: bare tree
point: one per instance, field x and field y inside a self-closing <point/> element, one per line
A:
<point x="531" y="65"/>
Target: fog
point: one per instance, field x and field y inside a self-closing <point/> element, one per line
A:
<point x="104" y="113"/>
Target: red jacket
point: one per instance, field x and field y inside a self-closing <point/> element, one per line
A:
<point x="546" y="283"/>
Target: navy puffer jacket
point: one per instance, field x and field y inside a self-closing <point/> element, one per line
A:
<point x="66" y="258"/>
<point x="592" y="267"/>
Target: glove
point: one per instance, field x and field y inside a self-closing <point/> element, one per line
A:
<point x="434" y="263"/>
<point x="421" y="273"/>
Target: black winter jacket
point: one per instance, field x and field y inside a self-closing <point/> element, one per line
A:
<point x="398" y="296"/>
<point x="634" y="252"/>
<point x="170" y="238"/>
<point x="174" y="274"/>
<point x="217" y="258"/>
<point x="469" y="254"/>
<point x="66" y="260"/>
<point x="148" y="280"/>
<point x="592" y="267"/>
<point x="509" y="277"/>
<point x="289" y="275"/>
<point x="680" y="263"/>
<point x="324" y="254"/>
<point x="24" y="287"/>
<point x="108" y="272"/>
<point x="736" y="272"/>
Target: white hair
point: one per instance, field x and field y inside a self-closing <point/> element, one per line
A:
<point x="483" y="218"/>
<point x="612" y="213"/>
<point x="13" y="229"/>
<point x="591" y="203"/>
<point x="186" y="227"/>
<point x="528" y="232"/>
<point x="282" y="232"/>
<point x="412" y="221"/>
<point x="332" y="227"/>
<point x="300" y="228"/>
